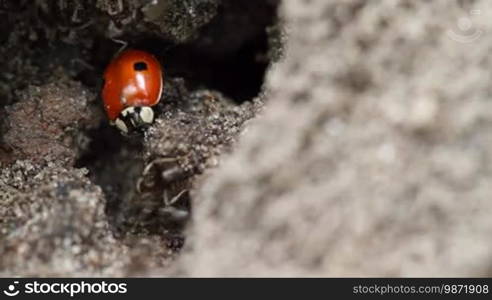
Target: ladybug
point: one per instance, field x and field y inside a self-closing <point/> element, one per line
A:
<point x="132" y="85"/>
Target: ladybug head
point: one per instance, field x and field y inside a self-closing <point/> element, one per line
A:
<point x="134" y="118"/>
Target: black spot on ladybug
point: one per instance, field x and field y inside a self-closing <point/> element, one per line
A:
<point x="140" y="66"/>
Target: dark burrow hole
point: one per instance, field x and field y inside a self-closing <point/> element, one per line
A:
<point x="230" y="54"/>
<point x="226" y="58"/>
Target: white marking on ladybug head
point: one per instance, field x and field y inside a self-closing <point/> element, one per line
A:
<point x="121" y="125"/>
<point x="128" y="111"/>
<point x="147" y="114"/>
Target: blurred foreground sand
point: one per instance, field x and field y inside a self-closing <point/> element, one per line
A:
<point x="372" y="157"/>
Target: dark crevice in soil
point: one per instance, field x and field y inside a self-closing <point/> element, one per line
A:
<point x="106" y="154"/>
<point x="238" y="75"/>
<point x="230" y="54"/>
<point x="235" y="68"/>
<point x="209" y="85"/>
<point x="114" y="163"/>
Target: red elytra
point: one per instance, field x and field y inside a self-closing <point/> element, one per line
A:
<point x="132" y="79"/>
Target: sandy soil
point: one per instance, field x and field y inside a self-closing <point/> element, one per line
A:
<point x="339" y="138"/>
